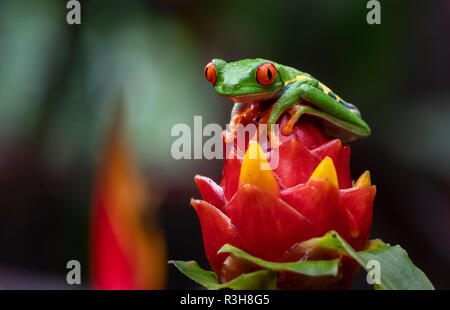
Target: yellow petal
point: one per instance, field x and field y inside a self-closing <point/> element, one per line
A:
<point x="326" y="170"/>
<point x="363" y="180"/>
<point x="256" y="170"/>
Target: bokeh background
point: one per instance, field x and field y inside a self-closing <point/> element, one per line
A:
<point x="79" y="100"/>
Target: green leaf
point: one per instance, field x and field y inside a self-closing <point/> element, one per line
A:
<point x="261" y="279"/>
<point x="257" y="280"/>
<point x="305" y="267"/>
<point x="397" y="271"/>
<point x="193" y="271"/>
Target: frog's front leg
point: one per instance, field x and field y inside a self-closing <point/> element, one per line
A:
<point x="229" y="136"/>
<point x="289" y="98"/>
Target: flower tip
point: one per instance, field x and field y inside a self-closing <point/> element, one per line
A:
<point x="255" y="170"/>
<point x="224" y="249"/>
<point x="363" y="180"/>
<point x="195" y="203"/>
<point x="326" y="170"/>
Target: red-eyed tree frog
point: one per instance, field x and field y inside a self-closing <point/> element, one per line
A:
<point x="259" y="80"/>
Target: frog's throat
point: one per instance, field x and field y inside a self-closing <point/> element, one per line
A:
<point x="253" y="98"/>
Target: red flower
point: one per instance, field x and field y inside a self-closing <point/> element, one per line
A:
<point x="124" y="253"/>
<point x="268" y="212"/>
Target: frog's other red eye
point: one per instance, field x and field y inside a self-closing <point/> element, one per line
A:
<point x="266" y="73"/>
<point x="210" y="72"/>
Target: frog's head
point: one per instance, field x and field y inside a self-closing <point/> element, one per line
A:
<point x="248" y="80"/>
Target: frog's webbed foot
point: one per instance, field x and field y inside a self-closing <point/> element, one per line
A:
<point x="295" y="112"/>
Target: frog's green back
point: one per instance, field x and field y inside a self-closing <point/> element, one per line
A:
<point x="288" y="73"/>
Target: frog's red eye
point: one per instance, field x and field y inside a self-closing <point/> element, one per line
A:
<point x="266" y="73"/>
<point x="210" y="72"/>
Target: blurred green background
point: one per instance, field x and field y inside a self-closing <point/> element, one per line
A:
<point x="59" y="84"/>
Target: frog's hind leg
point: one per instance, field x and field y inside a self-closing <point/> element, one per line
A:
<point x="334" y="109"/>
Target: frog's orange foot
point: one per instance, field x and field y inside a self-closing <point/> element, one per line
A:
<point x="288" y="127"/>
<point x="294" y="117"/>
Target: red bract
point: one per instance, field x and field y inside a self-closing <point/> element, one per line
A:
<point x="124" y="253"/>
<point x="267" y="213"/>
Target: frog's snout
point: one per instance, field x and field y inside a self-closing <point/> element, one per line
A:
<point x="227" y="90"/>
